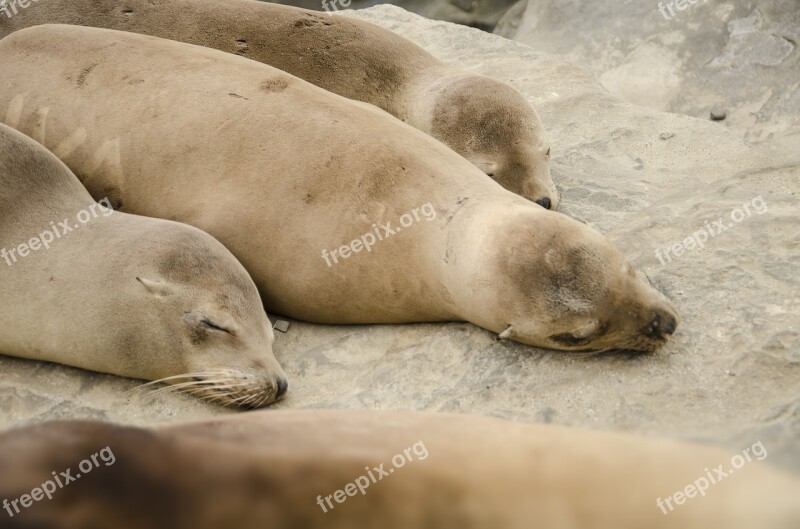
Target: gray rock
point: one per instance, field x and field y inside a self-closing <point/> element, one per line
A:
<point x="281" y="326"/>
<point x="736" y="54"/>
<point x="483" y="14"/>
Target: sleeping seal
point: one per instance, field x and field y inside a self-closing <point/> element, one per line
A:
<point x="486" y="121"/>
<point x="102" y="290"/>
<point x="348" y="469"/>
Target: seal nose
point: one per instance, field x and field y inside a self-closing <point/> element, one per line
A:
<point x="544" y="202"/>
<point x="283" y="386"/>
<point x="662" y="325"/>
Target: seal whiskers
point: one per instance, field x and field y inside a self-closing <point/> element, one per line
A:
<point x="226" y="386"/>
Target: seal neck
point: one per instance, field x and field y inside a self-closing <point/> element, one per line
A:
<point x="421" y="96"/>
<point x="472" y="275"/>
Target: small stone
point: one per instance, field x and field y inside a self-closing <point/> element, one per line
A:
<point x="718" y="114"/>
<point x="666" y="135"/>
<point x="547" y="414"/>
<point x="281" y="325"/>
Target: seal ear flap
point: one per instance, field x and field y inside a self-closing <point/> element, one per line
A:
<point x="157" y="288"/>
<point x="487" y="167"/>
<point x="506" y="334"/>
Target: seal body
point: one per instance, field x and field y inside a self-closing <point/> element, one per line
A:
<point x="484" y="120"/>
<point x="347" y="469"/>
<point x="89" y="287"/>
<point x="341" y="213"/>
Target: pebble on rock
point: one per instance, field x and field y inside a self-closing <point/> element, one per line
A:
<point x="281" y="325"/>
<point x="717" y="114"/>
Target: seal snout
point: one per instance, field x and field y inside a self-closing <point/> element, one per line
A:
<point x="264" y="393"/>
<point x="661" y="326"/>
<point x="545" y="202"/>
<point x="282" y="386"/>
<point x="233" y="388"/>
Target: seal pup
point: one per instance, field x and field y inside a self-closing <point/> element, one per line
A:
<point x="346" y="469"/>
<point x="424" y="235"/>
<point x="97" y="289"/>
<point x="488" y="122"/>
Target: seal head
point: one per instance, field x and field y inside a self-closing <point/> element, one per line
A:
<point x="207" y="315"/>
<point x="492" y="125"/>
<point x="555" y="283"/>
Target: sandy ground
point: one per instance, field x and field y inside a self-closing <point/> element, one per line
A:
<point x="646" y="178"/>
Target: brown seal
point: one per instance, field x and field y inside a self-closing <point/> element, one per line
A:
<point x="97" y="289"/>
<point x="486" y="121"/>
<point x="348" y="469"/>
<point x="340" y="213"/>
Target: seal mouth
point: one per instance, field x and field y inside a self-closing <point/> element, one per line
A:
<point x="582" y="337"/>
<point x="570" y="340"/>
<point x="635" y="346"/>
<point x="616" y="351"/>
<point x="659" y="329"/>
<point x="638" y="346"/>
<point x="226" y="387"/>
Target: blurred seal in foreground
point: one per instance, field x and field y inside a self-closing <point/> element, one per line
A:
<point x="341" y="213"/>
<point x="484" y="120"/>
<point x="102" y="290"/>
<point x="348" y="469"/>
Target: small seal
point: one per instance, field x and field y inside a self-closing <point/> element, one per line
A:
<point x="89" y="287"/>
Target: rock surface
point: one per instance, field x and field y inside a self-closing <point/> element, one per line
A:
<point x="739" y="57"/>
<point x="646" y="178"/>
<point x="483" y="14"/>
